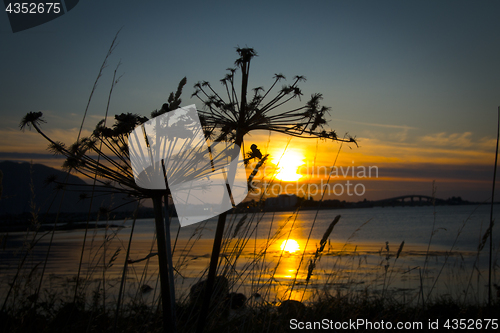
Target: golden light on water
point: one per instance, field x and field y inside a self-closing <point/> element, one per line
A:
<point x="288" y="164"/>
<point x="290" y="246"/>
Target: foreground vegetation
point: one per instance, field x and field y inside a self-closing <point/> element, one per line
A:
<point x="51" y="307"/>
<point x="76" y="317"/>
<point x="333" y="302"/>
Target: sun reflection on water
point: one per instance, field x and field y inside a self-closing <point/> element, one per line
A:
<point x="290" y="246"/>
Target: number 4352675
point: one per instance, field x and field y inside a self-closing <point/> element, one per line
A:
<point x="33" y="8"/>
<point x="471" y="324"/>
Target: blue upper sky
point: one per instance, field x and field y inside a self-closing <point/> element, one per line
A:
<point x="400" y="74"/>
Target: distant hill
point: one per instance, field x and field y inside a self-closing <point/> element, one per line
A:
<point x="17" y="194"/>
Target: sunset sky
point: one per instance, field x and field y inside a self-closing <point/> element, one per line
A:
<point x="416" y="83"/>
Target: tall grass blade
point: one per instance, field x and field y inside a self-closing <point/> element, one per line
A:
<point x="491" y="210"/>
<point x="322" y="243"/>
<point x="124" y="273"/>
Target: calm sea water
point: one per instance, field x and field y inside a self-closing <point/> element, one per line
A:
<point x="439" y="257"/>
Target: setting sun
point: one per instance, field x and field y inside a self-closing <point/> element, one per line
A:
<point x="288" y="164"/>
<point x="290" y="245"/>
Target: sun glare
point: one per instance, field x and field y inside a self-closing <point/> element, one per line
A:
<point x="288" y="165"/>
<point x="290" y="246"/>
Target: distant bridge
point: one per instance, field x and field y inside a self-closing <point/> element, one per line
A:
<point x="408" y="200"/>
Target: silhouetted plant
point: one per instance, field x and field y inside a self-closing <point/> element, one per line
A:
<point x="113" y="169"/>
<point x="231" y="118"/>
<point x="104" y="157"/>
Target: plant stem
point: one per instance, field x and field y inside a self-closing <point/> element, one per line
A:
<point x="125" y="266"/>
<point x="168" y="320"/>
<point x="491" y="210"/>
<point x="214" y="260"/>
<point x="168" y="247"/>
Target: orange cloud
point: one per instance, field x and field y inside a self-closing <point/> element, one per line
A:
<point x="30" y="141"/>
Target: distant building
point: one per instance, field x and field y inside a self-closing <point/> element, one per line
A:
<point x="282" y="201"/>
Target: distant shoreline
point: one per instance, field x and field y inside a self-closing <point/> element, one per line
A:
<point x="73" y="221"/>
